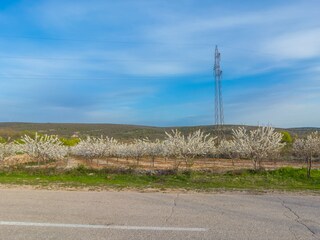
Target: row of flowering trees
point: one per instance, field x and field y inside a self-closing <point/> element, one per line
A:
<point x="177" y="146"/>
<point x="257" y="145"/>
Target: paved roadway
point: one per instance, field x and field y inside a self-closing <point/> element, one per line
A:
<point x="39" y="214"/>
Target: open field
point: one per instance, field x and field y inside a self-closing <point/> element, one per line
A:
<point x="119" y="131"/>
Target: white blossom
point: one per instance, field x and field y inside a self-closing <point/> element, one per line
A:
<point x="154" y="149"/>
<point x="187" y="148"/>
<point x="227" y="148"/>
<point x="43" y="148"/>
<point x="95" y="147"/>
<point x="257" y="144"/>
<point x="308" y="148"/>
<point x="8" y="149"/>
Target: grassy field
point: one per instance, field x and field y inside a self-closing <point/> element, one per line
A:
<point x="284" y="179"/>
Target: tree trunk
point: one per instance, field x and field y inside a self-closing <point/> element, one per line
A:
<point x="153" y="161"/>
<point x="309" y="166"/>
<point x="176" y="164"/>
<point x="189" y="163"/>
<point x="255" y="164"/>
<point x="259" y="164"/>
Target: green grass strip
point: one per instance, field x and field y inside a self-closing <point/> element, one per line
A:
<point x="288" y="179"/>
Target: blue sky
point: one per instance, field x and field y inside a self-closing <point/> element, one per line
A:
<point x="149" y="62"/>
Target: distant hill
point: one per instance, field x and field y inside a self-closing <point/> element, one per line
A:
<point x="119" y="131"/>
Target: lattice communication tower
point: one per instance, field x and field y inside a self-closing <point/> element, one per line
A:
<point x="219" y="117"/>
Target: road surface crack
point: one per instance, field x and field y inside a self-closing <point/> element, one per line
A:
<point x="173" y="207"/>
<point x="297" y="219"/>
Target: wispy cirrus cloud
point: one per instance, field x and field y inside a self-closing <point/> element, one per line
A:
<point x="296" y="45"/>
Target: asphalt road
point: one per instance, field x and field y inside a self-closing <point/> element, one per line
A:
<point x="40" y="214"/>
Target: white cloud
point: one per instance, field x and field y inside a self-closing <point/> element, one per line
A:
<point x="62" y="14"/>
<point x="295" y="45"/>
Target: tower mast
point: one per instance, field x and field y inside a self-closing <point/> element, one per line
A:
<point x="219" y="115"/>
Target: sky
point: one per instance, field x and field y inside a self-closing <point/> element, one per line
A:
<point x="150" y="62"/>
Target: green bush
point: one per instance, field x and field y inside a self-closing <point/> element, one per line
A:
<point x="70" y="142"/>
<point x="3" y="140"/>
<point x="286" y="137"/>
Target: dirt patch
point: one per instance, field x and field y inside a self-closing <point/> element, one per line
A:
<point x="199" y="164"/>
<point x="16" y="160"/>
<point x="212" y="164"/>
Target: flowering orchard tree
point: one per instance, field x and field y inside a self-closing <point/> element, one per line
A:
<point x="227" y="149"/>
<point x="137" y="149"/>
<point x="43" y="148"/>
<point x="94" y="147"/>
<point x="308" y="148"/>
<point x="187" y="148"/>
<point x="121" y="151"/>
<point x="154" y="149"/>
<point x="8" y="149"/>
<point x="257" y="144"/>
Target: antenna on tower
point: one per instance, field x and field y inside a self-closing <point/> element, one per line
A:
<point x="219" y="116"/>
